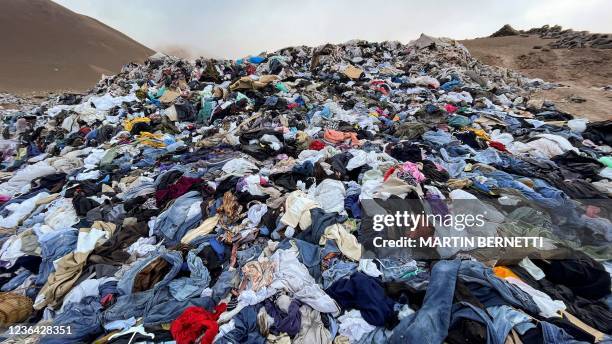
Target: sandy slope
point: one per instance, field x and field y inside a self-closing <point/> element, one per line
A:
<point x="44" y="46"/>
<point x="584" y="71"/>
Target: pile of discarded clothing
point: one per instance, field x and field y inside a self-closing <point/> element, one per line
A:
<point x="223" y="201"/>
<point x="570" y="39"/>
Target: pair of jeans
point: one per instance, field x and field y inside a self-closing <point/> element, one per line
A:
<point x="175" y="221"/>
<point x="187" y="287"/>
<point x="54" y="246"/>
<point x="493" y="291"/>
<point x="84" y="321"/>
<point x="553" y="334"/>
<point x="430" y="324"/>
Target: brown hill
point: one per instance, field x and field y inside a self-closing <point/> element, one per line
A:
<point x="584" y="72"/>
<point x="47" y="47"/>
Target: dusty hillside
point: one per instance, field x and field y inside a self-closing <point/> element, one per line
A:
<point x="584" y="71"/>
<point x="48" y="47"/>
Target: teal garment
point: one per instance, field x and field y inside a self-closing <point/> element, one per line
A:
<point x="459" y="121"/>
<point x="206" y="111"/>
<point x="281" y="87"/>
<point x="606" y="160"/>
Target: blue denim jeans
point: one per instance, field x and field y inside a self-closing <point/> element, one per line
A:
<point x="487" y="287"/>
<point x="173" y="223"/>
<point x="555" y="335"/>
<point x="430" y="324"/>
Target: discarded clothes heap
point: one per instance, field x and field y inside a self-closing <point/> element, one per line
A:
<point x="221" y="202"/>
<point x="570" y="39"/>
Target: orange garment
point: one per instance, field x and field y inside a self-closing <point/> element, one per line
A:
<point x="504" y="272"/>
<point x="337" y="137"/>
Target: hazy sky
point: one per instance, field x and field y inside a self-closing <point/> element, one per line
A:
<point x="232" y="28"/>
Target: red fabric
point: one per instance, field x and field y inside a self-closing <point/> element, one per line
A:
<point x="107" y="300"/>
<point x="316" y="145"/>
<point x="292" y="106"/>
<point x="380" y="86"/>
<point x="498" y="145"/>
<point x="179" y="188"/>
<point x="388" y="173"/>
<point x="450" y="108"/>
<point x="194" y="321"/>
<point x="250" y="69"/>
<point x="263" y="181"/>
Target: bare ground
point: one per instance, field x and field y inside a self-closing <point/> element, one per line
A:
<point x="583" y="72"/>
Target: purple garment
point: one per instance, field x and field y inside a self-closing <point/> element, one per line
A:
<point x="285" y="322"/>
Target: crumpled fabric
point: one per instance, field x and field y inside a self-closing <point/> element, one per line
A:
<point x="330" y="195"/>
<point x="204" y="228"/>
<point x="353" y="326"/>
<point x="179" y="217"/>
<point x="195" y="322"/>
<point x="338" y="137"/>
<point x="346" y="242"/>
<point x="69" y="267"/>
<point x="258" y="274"/>
<point x="364" y="293"/>
<point x="297" y="210"/>
<point x="245" y="329"/>
<point x="292" y="276"/>
<point x="312" y="330"/>
<point x="286" y="314"/>
<point x="184" y="288"/>
<point x="20" y="181"/>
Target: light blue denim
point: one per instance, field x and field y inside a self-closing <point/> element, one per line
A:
<point x="187" y="287"/>
<point x="52" y="247"/>
<point x="336" y="271"/>
<point x="173" y="223"/>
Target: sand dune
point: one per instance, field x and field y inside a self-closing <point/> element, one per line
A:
<point x="45" y="46"/>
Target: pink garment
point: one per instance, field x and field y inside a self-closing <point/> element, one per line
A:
<point x="413" y="169"/>
<point x="450" y="108"/>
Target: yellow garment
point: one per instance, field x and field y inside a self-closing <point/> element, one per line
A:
<point x="480" y="133"/>
<point x="303" y="140"/>
<point x="149" y="139"/>
<point x="206" y="227"/>
<point x="341" y="340"/>
<point x="504" y="272"/>
<point x="346" y="242"/>
<point x="281" y="338"/>
<point x="128" y="124"/>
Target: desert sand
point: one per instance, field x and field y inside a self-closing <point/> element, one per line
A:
<point x="46" y="47"/>
<point x="583" y="72"/>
